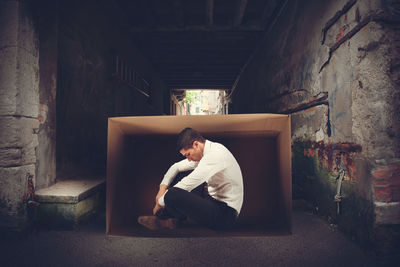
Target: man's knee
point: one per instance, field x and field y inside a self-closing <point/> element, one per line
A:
<point x="173" y="194"/>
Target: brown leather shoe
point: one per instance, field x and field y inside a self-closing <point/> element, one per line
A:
<point x="155" y="223"/>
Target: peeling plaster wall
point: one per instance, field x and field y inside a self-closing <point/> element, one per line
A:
<point x="334" y="66"/>
<point x="90" y="35"/>
<point x="19" y="107"/>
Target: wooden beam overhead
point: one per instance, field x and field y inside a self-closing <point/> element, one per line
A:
<point x="199" y="81"/>
<point x="197" y="84"/>
<point x="200" y="86"/>
<point x="175" y="75"/>
<point x="151" y="15"/>
<point x="268" y="11"/>
<point x="195" y="79"/>
<point x="179" y="15"/>
<point x="203" y="71"/>
<point x="209" y="13"/>
<point x="200" y="43"/>
<point x="199" y="28"/>
<point x="240" y="9"/>
<point x="194" y="68"/>
<point x="171" y="61"/>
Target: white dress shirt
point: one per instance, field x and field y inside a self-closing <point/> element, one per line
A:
<point x="218" y="167"/>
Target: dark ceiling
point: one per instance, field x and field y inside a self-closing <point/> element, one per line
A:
<point x="200" y="44"/>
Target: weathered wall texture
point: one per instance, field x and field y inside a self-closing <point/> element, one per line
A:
<point x="19" y="106"/>
<point x="334" y="65"/>
<point x="46" y="21"/>
<point x="60" y="53"/>
<point x="87" y="93"/>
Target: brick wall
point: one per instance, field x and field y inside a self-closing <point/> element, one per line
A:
<point x="386" y="182"/>
<point x="337" y="74"/>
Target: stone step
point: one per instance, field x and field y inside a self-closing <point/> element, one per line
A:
<point x="69" y="203"/>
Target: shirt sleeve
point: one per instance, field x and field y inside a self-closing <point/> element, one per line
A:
<point x="161" y="200"/>
<point x="181" y="166"/>
<point x="207" y="167"/>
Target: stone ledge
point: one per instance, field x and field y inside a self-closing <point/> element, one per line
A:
<point x="69" y="191"/>
<point x="387" y="213"/>
<point x="69" y="203"/>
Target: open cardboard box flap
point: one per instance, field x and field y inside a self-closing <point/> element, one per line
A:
<point x="141" y="149"/>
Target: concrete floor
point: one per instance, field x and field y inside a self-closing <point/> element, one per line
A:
<point x="313" y="243"/>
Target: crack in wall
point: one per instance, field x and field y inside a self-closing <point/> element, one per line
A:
<point x="346" y="37"/>
<point x="335" y="18"/>
<point x="351" y="33"/>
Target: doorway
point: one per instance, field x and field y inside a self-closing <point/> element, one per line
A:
<point x="199" y="102"/>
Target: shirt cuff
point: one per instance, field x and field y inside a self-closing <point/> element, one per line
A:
<point x="161" y="200"/>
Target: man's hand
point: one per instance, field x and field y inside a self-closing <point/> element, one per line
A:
<point x="157" y="208"/>
<point x="161" y="192"/>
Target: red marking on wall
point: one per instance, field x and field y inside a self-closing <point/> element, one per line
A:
<point x="340" y="35"/>
<point x="350" y="166"/>
<point x="381" y="174"/>
<point x="382" y="190"/>
<point x="331" y="156"/>
<point x="383" y="197"/>
<point x="309" y="152"/>
<point x="386" y="181"/>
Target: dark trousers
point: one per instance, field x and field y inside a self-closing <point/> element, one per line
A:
<point x="199" y="206"/>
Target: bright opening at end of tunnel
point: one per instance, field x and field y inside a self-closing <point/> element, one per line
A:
<point x="199" y="102"/>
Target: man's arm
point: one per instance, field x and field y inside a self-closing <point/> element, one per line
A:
<point x="183" y="165"/>
<point x="207" y="167"/>
<point x="161" y="192"/>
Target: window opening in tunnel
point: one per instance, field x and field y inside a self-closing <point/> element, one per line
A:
<point x="199" y="102"/>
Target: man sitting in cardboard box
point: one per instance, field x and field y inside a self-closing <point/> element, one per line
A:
<point x="211" y="164"/>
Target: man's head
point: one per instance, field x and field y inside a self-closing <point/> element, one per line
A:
<point x="191" y="144"/>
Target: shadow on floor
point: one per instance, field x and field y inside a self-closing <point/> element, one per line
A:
<point x="312" y="243"/>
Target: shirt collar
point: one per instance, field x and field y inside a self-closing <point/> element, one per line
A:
<point x="207" y="145"/>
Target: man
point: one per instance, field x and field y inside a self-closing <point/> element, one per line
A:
<point x="213" y="164"/>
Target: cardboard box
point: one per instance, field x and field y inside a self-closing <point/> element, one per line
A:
<point x="141" y="149"/>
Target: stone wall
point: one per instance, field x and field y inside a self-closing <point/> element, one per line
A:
<point x="90" y="36"/>
<point x="334" y="66"/>
<point x="19" y="106"/>
<point x="57" y="89"/>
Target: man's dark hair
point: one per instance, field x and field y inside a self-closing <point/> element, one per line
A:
<point x="187" y="137"/>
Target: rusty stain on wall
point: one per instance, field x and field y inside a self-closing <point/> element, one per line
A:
<point x="340" y="35"/>
<point x="331" y="155"/>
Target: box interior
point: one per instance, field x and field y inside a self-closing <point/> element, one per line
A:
<point x="138" y="159"/>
